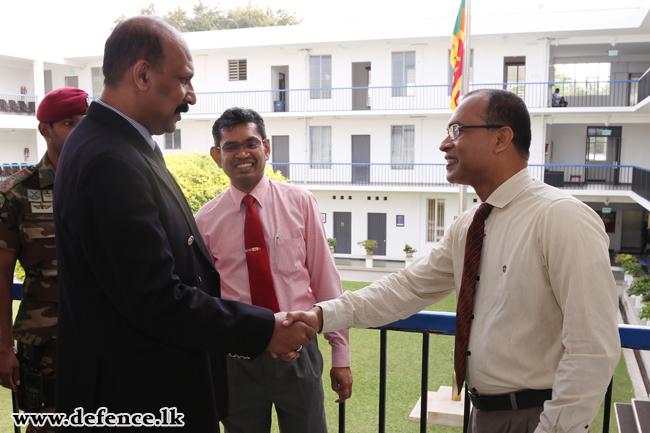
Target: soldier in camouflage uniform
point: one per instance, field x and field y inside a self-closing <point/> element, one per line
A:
<point x="27" y="235"/>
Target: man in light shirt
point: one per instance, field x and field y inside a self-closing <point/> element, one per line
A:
<point x="543" y="340"/>
<point x="302" y="270"/>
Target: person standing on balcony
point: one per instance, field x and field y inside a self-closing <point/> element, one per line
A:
<point x="296" y="269"/>
<point x="536" y="326"/>
<point x="27" y="235"/>
<point x="141" y="325"/>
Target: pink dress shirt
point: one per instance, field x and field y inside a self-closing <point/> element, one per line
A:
<point x="301" y="263"/>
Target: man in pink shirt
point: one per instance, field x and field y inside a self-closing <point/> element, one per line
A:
<point x="303" y="273"/>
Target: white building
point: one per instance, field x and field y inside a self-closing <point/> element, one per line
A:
<point x="379" y="95"/>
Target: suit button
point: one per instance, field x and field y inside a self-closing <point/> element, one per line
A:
<point x="200" y="281"/>
<point x="190" y="240"/>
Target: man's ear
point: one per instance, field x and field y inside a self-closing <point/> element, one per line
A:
<point x="504" y="139"/>
<point x="216" y="155"/>
<point x="141" y="75"/>
<point x="267" y="148"/>
<point x="45" y="129"/>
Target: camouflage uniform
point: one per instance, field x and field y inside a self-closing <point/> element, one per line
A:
<point x="27" y="228"/>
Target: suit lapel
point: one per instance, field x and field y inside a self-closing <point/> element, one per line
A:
<point x="132" y="136"/>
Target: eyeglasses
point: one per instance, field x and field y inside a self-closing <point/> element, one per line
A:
<point x="233" y="147"/>
<point x="454" y="130"/>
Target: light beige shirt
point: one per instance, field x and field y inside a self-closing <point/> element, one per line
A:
<point x="545" y="306"/>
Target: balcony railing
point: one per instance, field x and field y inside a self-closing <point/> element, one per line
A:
<point x="17" y="103"/>
<point x="430" y="322"/>
<point x="641" y="182"/>
<point x="619" y="93"/>
<point x="580" y="177"/>
<point x="7" y="170"/>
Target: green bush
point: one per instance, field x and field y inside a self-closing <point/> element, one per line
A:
<point x="201" y="179"/>
<point x="629" y="264"/>
<point x="19" y="272"/>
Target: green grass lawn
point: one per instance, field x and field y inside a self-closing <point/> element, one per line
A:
<point x="403" y="379"/>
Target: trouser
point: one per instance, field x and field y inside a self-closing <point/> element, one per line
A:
<point x="47" y="366"/>
<point x="504" y="421"/>
<point x="294" y="387"/>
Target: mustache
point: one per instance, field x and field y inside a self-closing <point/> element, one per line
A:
<point x="183" y="108"/>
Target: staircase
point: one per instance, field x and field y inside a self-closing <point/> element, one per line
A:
<point x="633" y="417"/>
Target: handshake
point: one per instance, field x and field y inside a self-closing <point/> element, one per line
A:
<point x="294" y="331"/>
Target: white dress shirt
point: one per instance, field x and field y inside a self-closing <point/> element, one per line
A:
<point x="545" y="305"/>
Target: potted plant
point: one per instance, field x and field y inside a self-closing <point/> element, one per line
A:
<point x="369" y="245"/>
<point x="641" y="288"/>
<point x="409" y="250"/>
<point x="332" y="243"/>
<point x="630" y="266"/>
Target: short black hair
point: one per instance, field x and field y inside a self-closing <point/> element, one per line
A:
<point x="506" y="108"/>
<point x="134" y="39"/>
<point x="236" y="116"/>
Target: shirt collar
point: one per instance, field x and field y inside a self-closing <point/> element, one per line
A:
<point x="510" y="189"/>
<point x="259" y="192"/>
<point x="45" y="171"/>
<point x="141" y="129"/>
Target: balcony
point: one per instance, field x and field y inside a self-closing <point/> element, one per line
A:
<point x="16" y="103"/>
<point x="622" y="93"/>
<point x="7" y="170"/>
<point x="364" y="175"/>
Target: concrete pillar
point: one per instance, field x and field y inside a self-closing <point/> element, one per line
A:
<point x="39" y="90"/>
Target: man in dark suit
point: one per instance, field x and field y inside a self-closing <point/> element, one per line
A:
<point x="141" y="326"/>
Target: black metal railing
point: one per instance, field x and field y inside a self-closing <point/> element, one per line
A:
<point x="441" y="323"/>
<point x="617" y="93"/>
<point x="595" y="176"/>
<point x="430" y="322"/>
<point x="643" y="88"/>
<point x="7" y="170"/>
<point x="641" y="182"/>
<point x="17" y="103"/>
<point x="581" y="177"/>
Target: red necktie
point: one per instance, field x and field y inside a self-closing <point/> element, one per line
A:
<point x="473" y="247"/>
<point x="257" y="260"/>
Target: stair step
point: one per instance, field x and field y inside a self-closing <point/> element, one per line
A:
<point x="625" y="418"/>
<point x="642" y="414"/>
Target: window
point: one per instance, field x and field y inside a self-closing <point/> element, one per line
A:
<point x="98" y="81"/>
<point x="402" y="142"/>
<point x="404" y="73"/>
<point x="436" y="220"/>
<point x="320" y="77"/>
<point x="237" y="70"/>
<point x="514" y="75"/>
<point x="597" y="149"/>
<point x="173" y="140"/>
<point x="320" y="143"/>
<point x="47" y="78"/>
<point x="582" y="79"/>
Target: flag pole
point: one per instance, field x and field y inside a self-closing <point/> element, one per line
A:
<point x="462" y="195"/>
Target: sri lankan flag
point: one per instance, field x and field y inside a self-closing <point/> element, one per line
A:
<point x="456" y="58"/>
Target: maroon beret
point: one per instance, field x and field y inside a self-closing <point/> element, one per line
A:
<point x="61" y="104"/>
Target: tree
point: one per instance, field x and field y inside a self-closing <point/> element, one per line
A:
<point x="204" y="18"/>
<point x="201" y="179"/>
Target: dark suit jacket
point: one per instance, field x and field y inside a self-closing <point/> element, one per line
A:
<point x="140" y="324"/>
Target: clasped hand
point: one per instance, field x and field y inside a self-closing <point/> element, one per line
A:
<point x="293" y="331"/>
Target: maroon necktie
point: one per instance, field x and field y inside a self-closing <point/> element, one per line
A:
<point x="257" y="260"/>
<point x="473" y="247"/>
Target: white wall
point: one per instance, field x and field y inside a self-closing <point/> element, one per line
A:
<point x="413" y="205"/>
<point x="12" y="146"/>
<point x="13" y="77"/>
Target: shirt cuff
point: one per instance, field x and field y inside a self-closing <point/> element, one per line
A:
<point x="334" y="316"/>
<point x="340" y="356"/>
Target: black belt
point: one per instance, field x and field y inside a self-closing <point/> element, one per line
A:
<point x="526" y="399"/>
